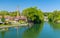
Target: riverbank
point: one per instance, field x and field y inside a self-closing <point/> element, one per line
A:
<point x="18" y="25"/>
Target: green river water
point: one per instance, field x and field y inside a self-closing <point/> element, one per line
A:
<point x="43" y="30"/>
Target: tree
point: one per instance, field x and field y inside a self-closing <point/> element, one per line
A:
<point x="14" y="13"/>
<point x="3" y="19"/>
<point x="33" y="14"/>
<point x="55" y="15"/>
<point x="4" y="12"/>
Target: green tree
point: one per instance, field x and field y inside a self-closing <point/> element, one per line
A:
<point x="4" y="12"/>
<point x="3" y="19"/>
<point x="14" y="13"/>
<point x="33" y="14"/>
<point x="54" y="16"/>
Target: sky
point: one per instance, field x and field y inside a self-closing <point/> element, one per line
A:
<point x="44" y="5"/>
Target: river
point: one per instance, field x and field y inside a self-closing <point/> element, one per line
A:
<point x="43" y="30"/>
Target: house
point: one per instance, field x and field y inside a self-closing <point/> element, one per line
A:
<point x="24" y="18"/>
<point x="17" y="18"/>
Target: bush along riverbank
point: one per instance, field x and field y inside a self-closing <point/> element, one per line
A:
<point x="54" y="16"/>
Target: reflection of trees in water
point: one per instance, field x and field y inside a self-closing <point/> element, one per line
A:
<point x="3" y="34"/>
<point x="54" y="25"/>
<point x="33" y="31"/>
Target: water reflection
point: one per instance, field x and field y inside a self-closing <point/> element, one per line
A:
<point x="3" y="31"/>
<point x="33" y="32"/>
<point x="2" y="34"/>
<point x="17" y="29"/>
<point x="54" y="25"/>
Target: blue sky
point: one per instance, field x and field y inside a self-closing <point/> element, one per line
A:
<point x="44" y="5"/>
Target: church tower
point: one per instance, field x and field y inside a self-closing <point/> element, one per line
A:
<point x="18" y="12"/>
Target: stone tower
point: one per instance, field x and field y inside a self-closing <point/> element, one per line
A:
<point x="18" y="12"/>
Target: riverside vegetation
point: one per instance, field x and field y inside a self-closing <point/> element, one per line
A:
<point x="33" y="15"/>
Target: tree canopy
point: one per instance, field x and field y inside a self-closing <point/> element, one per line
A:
<point x="33" y="14"/>
<point x="14" y="13"/>
<point x="55" y="15"/>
